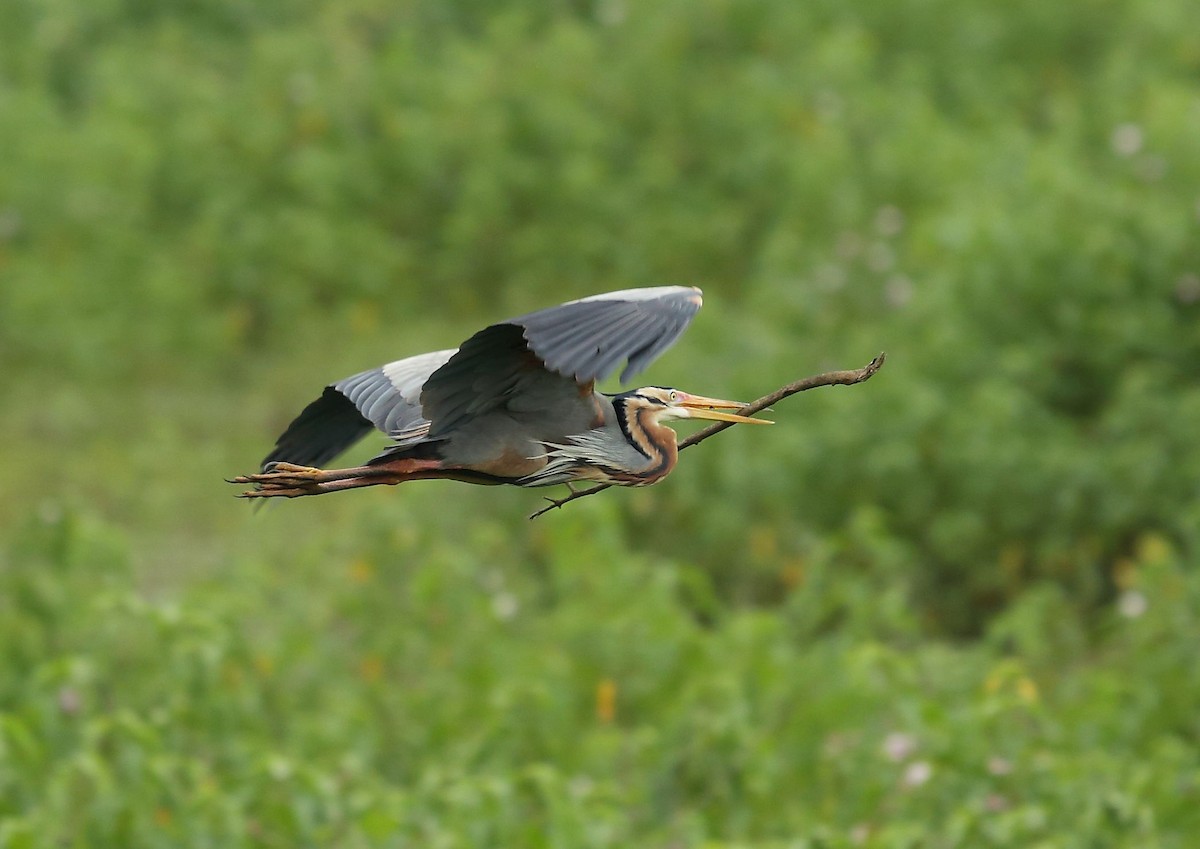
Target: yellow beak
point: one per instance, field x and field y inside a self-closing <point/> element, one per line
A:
<point x="699" y="407"/>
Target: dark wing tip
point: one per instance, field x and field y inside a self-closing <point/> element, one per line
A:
<point x="324" y="429"/>
<point x="589" y="338"/>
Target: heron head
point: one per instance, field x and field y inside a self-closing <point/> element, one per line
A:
<point x="668" y="403"/>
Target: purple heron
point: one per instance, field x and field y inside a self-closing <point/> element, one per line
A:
<point x="515" y="404"/>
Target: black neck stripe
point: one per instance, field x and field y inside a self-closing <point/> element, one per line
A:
<point x="623" y="422"/>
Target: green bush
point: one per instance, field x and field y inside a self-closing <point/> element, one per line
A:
<point x="414" y="693"/>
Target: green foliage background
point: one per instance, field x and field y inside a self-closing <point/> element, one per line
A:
<point x="955" y="606"/>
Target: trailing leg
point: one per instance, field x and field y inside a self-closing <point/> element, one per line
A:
<point x="286" y="480"/>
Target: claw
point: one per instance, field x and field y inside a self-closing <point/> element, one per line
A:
<point x="275" y="492"/>
<point x="293" y="469"/>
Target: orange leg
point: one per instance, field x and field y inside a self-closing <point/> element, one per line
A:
<point x="286" y="480"/>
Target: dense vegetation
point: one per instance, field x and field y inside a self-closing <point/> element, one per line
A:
<point x="954" y="606"/>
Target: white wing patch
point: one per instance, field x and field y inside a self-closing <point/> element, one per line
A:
<point x="641" y="294"/>
<point x="409" y="375"/>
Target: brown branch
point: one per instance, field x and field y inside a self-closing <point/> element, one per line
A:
<point x="831" y="378"/>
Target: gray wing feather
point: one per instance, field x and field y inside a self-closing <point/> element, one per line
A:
<point x="581" y="341"/>
<point x="588" y="339"/>
<point x="387" y="398"/>
<point x="600" y="359"/>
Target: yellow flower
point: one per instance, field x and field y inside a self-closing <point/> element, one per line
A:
<point x="606" y="701"/>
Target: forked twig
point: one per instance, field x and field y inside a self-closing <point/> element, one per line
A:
<point x="829" y="378"/>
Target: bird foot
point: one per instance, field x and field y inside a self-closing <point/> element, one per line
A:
<point x="283" y="479"/>
<point x="290" y="471"/>
<point x="284" y="475"/>
<point x="287" y="480"/>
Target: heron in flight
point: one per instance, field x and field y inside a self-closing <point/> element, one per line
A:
<point x="515" y="404"/>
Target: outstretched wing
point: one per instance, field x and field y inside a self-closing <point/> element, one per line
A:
<point x="387" y="398"/>
<point x="528" y="363"/>
<point x="582" y="341"/>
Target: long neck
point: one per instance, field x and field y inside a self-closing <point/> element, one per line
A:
<point x="654" y="441"/>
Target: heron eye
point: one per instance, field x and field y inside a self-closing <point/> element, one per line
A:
<point x="674" y="396"/>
